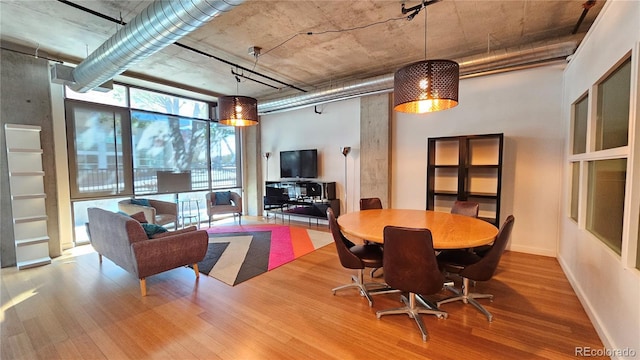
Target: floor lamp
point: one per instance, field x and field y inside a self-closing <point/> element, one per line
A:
<point x="345" y="151"/>
<point x="266" y="156"/>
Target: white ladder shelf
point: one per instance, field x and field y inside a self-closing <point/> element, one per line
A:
<point x="26" y="182"/>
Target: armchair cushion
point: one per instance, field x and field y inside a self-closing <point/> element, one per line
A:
<point x="153" y="229"/>
<point x="139" y="216"/>
<point x="223" y="198"/>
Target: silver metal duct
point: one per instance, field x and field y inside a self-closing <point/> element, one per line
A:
<point x="159" y="25"/>
<point x="344" y="91"/>
<point x="508" y="58"/>
<point x="493" y="61"/>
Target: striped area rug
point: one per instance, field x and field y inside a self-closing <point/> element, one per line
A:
<point x="239" y="253"/>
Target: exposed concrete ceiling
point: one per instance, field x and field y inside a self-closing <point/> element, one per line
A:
<point x="378" y="44"/>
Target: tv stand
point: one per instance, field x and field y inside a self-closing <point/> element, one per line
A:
<point x="307" y="199"/>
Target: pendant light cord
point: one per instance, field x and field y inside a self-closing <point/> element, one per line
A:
<point x="237" y="82"/>
<point x="424" y="6"/>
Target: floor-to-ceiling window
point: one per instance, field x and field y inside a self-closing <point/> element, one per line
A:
<point x="95" y="133"/>
<point x="130" y="142"/>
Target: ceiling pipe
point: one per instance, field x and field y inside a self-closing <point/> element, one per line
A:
<point x="161" y="24"/>
<point x="494" y="61"/>
<point x="344" y="91"/>
<point x="504" y="59"/>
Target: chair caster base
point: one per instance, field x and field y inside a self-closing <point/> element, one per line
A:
<point x="468" y="298"/>
<point x="413" y="311"/>
<point x="366" y="289"/>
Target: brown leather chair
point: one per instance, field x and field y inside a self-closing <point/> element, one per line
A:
<point x="466" y="208"/>
<point x="471" y="209"/>
<point x="471" y="266"/>
<point x="410" y="266"/>
<point x="370" y="203"/>
<point x="357" y="257"/>
<point x="367" y="204"/>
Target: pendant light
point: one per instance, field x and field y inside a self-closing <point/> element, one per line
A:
<point x="428" y="85"/>
<point x="237" y="110"/>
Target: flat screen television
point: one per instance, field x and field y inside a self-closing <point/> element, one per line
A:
<point x="299" y="164"/>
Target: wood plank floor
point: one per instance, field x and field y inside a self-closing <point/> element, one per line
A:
<point x="76" y="308"/>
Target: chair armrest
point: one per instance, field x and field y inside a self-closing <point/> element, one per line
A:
<point x="165" y="207"/>
<point x="211" y="203"/>
<point x="210" y="200"/>
<point x="157" y="255"/>
<point x="236" y="199"/>
<point x="176" y="232"/>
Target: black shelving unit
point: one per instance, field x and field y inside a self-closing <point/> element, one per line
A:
<point x="301" y="198"/>
<point x="467" y="168"/>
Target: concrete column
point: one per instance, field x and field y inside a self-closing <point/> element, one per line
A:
<point x="375" y="147"/>
<point x="25" y="99"/>
<point x="252" y="170"/>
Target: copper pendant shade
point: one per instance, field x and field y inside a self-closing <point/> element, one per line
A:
<point x="426" y="86"/>
<point x="238" y="110"/>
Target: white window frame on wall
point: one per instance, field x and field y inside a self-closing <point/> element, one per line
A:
<point x="573" y="121"/>
<point x="631" y="230"/>
<point x="630" y="152"/>
<point x="580" y="159"/>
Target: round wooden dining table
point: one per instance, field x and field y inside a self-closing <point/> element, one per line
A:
<point x="449" y="231"/>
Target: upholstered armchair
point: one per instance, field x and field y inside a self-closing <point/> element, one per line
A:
<point x="155" y="211"/>
<point x="124" y="241"/>
<point x="224" y="202"/>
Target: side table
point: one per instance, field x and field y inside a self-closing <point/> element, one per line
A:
<point x="187" y="208"/>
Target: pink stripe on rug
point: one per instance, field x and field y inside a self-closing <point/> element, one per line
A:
<point x="281" y="247"/>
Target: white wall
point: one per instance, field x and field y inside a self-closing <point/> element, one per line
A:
<point x="607" y="283"/>
<point x="337" y="126"/>
<point x="525" y="106"/>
